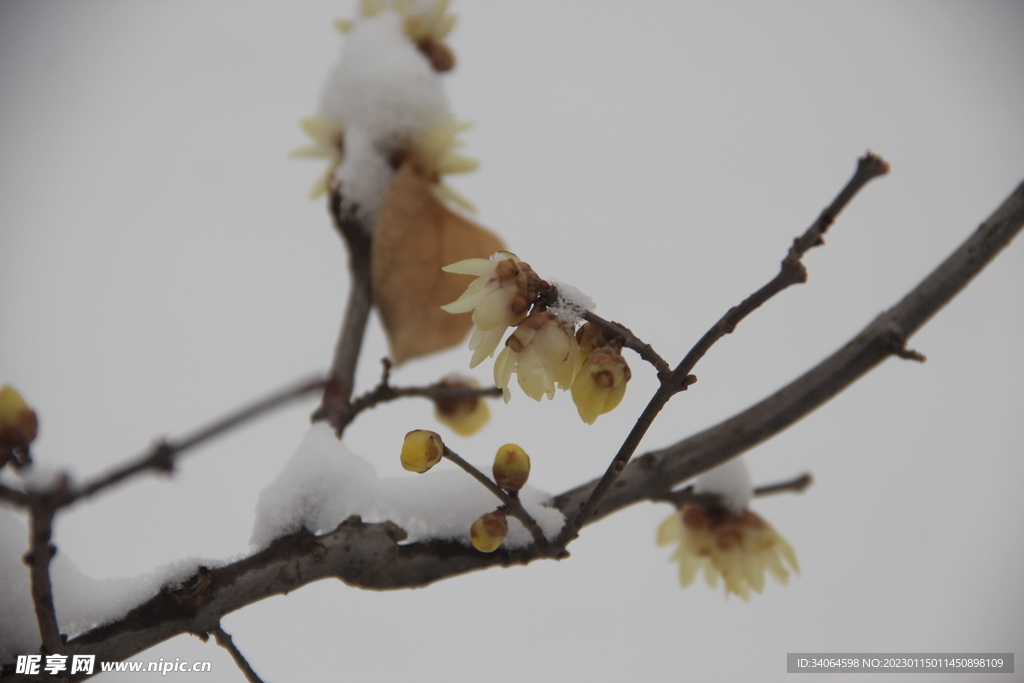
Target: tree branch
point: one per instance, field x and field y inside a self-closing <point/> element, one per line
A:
<point x="370" y="556"/>
<point x="648" y="476"/>
<point x="645" y="350"/>
<point x="341" y="378"/>
<point x="792" y="272"/>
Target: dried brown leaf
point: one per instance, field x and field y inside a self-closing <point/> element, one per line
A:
<point x="415" y="236"/>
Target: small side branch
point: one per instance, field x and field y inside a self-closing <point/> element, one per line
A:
<point x="688" y="495"/>
<point x="645" y="350"/>
<point x="223" y="639"/>
<point x="385" y="391"/>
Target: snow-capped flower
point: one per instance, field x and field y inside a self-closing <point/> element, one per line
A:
<point x="488" y="531"/>
<point x="511" y="467"/>
<point x="421" y="450"/>
<point x="601" y="382"/>
<point x="502" y="293"/>
<point x="739" y="547"/>
<point x="463" y="416"/>
<point x="542" y="352"/>
<point x="383" y="103"/>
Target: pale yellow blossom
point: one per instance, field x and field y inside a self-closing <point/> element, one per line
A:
<point x="739" y="548"/>
<point x="499" y="297"/>
<point x="542" y="352"/>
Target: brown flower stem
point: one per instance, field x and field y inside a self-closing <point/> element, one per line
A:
<point x="341" y="377"/>
<point x="792" y="272"/>
<point x="223" y="639"/>
<point x="514" y="506"/>
<point x="645" y="350"/>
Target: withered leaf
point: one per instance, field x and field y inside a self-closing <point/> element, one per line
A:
<point x="415" y="235"/>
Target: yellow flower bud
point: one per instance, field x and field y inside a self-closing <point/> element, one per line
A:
<point x="18" y="423"/>
<point x="463" y="416"/>
<point x="421" y="450"/>
<point x="601" y="382"/>
<point x="489" y="531"/>
<point x="511" y="467"/>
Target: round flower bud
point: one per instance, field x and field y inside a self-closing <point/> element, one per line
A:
<point x="421" y="450"/>
<point x="511" y="467"/>
<point x="489" y="531"/>
<point x="18" y="423"/>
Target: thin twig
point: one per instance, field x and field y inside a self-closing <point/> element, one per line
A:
<point x="515" y="507"/>
<point x="687" y="495"/>
<point x="645" y="350"/>
<point x="648" y="475"/>
<point x="792" y="272"/>
<point x="795" y="485"/>
<point x="162" y="455"/>
<point x="341" y="378"/>
<point x="223" y="639"/>
<point x="42" y="509"/>
<point x="385" y="392"/>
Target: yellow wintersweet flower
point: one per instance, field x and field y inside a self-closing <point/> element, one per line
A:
<point x="421" y="450"/>
<point x="488" y="531"/>
<point x="738" y="547"/>
<point x="463" y="416"/>
<point x="542" y="352"/>
<point x="601" y="382"/>
<point x="502" y="293"/>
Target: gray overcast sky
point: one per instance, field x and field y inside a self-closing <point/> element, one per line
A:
<point x="160" y="264"/>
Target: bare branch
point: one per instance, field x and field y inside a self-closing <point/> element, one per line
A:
<point x="223" y="639"/>
<point x="162" y="455"/>
<point x="341" y="378"/>
<point x="792" y="272"/>
<point x="38" y="558"/>
<point x="385" y="392"/>
<point x="687" y="495"/>
<point x="648" y="476"/>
